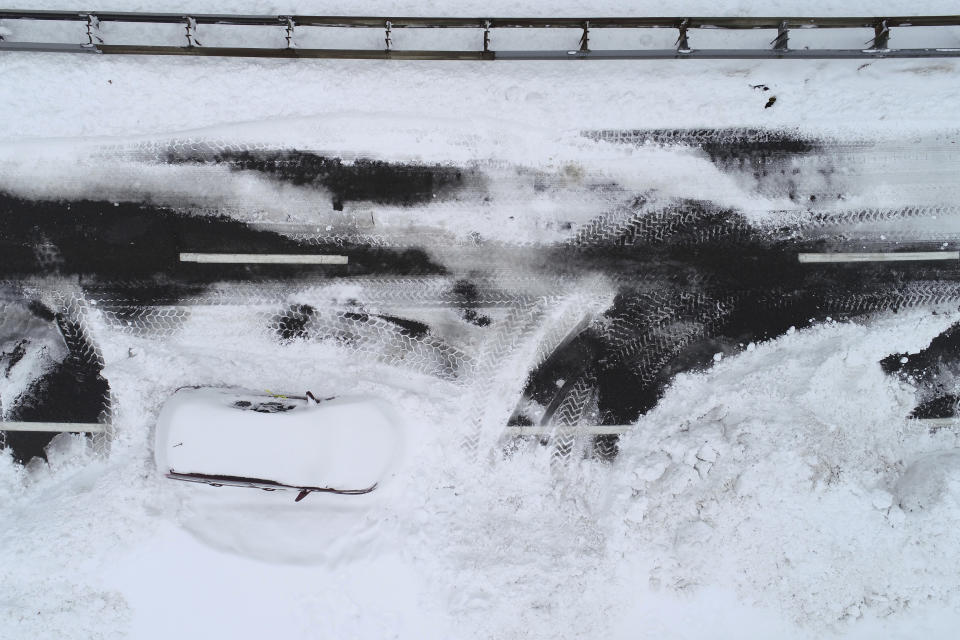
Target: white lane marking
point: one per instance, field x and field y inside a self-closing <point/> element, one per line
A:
<point x="614" y="430"/>
<point x="938" y="423"/>
<point x="879" y="257"/>
<point x="580" y="430"/>
<point x="59" y="427"/>
<point x="262" y="258"/>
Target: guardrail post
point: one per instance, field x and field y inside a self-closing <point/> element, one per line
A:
<point x="585" y="38"/>
<point x="881" y="35"/>
<point x="780" y="42"/>
<point x="93" y="30"/>
<point x="683" y="46"/>
<point x="191" y="28"/>
<point x="289" y="36"/>
<point x="387" y="40"/>
<point x="486" y="36"/>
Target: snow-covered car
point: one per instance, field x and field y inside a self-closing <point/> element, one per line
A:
<point x="236" y="437"/>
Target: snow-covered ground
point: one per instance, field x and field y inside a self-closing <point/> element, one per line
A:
<point x="54" y="96"/>
<point x="781" y="493"/>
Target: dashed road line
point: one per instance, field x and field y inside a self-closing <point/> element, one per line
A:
<point x="904" y="256"/>
<point x="580" y="430"/>
<point x="262" y="258"/>
<point x="55" y="427"/>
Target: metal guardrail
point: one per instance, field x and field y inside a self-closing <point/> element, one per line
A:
<point x="878" y="47"/>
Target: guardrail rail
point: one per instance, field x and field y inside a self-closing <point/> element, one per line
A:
<point x="879" y="46"/>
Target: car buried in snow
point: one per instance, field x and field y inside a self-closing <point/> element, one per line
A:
<point x="235" y="437"/>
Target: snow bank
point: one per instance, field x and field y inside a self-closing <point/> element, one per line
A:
<point x="797" y="492"/>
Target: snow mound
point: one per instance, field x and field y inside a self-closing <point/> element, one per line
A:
<point x="773" y="473"/>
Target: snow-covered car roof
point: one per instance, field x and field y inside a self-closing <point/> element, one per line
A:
<point x="247" y="438"/>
